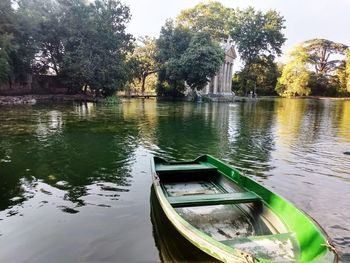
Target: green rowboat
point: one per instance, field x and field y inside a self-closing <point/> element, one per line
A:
<point x="233" y="218"/>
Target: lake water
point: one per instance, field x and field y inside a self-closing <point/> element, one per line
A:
<point x="75" y="182"/>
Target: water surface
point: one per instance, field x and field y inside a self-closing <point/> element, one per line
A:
<point x="75" y="183"/>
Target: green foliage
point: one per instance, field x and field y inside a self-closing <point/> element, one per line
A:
<point x="201" y="61"/>
<point x="39" y="34"/>
<point x="318" y="68"/>
<point x="258" y="37"/>
<point x="144" y="62"/>
<point x="259" y="76"/>
<point x="172" y="42"/>
<point x="323" y="86"/>
<point x="185" y="57"/>
<point x="347" y="69"/>
<point x="339" y="80"/>
<point x="7" y="46"/>
<point x="170" y="88"/>
<point x="257" y="33"/>
<point x="111" y="100"/>
<point x="97" y="46"/>
<point x="83" y="43"/>
<point x="295" y="76"/>
<point x="323" y="55"/>
<point x="212" y="18"/>
<point x="8" y="41"/>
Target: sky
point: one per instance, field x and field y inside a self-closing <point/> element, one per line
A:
<point x="305" y="19"/>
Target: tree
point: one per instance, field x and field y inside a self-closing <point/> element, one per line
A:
<point x="254" y="32"/>
<point x="96" y="46"/>
<point x="186" y="57"/>
<point x="41" y="35"/>
<point x="341" y="77"/>
<point x="8" y="44"/>
<point x="258" y="34"/>
<point x="144" y="56"/>
<point x="212" y="18"/>
<point x="259" y="38"/>
<point x="325" y="86"/>
<point x="171" y="44"/>
<point x="201" y="61"/>
<point x="259" y="76"/>
<point x="347" y="69"/>
<point x="6" y="48"/>
<point x="324" y="55"/>
<point x="83" y="43"/>
<point x="295" y="76"/>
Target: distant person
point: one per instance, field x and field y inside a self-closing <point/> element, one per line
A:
<point x="250" y="94"/>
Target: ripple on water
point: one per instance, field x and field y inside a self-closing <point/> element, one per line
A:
<point x="68" y="210"/>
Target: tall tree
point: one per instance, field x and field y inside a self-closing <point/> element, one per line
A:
<point x="187" y="57"/>
<point x="201" y="61"/>
<point x="259" y="39"/>
<point x="82" y="42"/>
<point x="211" y="17"/>
<point x="145" y="58"/>
<point x="8" y="43"/>
<point x="40" y="35"/>
<point x="97" y="45"/>
<point x="324" y="55"/>
<point x="257" y="33"/>
<point x="347" y="69"/>
<point x="259" y="76"/>
<point x="171" y="44"/>
<point x="295" y="76"/>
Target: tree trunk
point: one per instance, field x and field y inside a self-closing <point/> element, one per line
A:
<point x="144" y="76"/>
<point x="85" y="88"/>
<point x="10" y="81"/>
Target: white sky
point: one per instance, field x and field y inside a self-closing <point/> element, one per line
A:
<point x="305" y="19"/>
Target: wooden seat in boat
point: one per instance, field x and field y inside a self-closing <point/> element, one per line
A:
<point x="185" y="167"/>
<point x="213" y="199"/>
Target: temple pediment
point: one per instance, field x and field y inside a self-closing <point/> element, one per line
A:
<point x="221" y="84"/>
<point x="231" y="53"/>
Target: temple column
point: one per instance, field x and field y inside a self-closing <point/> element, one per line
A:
<point x="220" y="79"/>
<point x="215" y="84"/>
<point x="230" y="79"/>
<point x="223" y="85"/>
<point x="206" y="89"/>
<point x="227" y="77"/>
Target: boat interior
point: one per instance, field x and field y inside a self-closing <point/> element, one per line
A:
<point x="214" y="204"/>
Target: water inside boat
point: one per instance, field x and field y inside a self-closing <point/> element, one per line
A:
<point x="212" y="203"/>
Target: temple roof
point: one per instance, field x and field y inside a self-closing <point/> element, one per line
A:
<point x="229" y="48"/>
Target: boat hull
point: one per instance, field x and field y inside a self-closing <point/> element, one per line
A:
<point x="187" y="190"/>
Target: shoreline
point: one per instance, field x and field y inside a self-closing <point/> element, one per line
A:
<point x="32" y="99"/>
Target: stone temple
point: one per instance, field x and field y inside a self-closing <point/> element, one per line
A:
<point x="219" y="87"/>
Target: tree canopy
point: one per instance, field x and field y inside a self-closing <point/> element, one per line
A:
<point x="257" y="33"/>
<point x="144" y="60"/>
<point x="324" y="54"/>
<point x="84" y="44"/>
<point x="295" y="76"/>
<point x="211" y="17"/>
<point x="347" y="70"/>
<point x="259" y="76"/>
<point x="317" y="67"/>
<point x="186" y="57"/>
